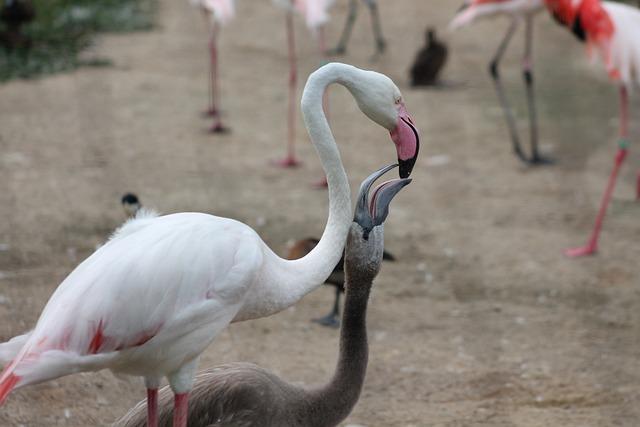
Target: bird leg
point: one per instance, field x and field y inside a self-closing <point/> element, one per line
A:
<point x="623" y="144"/>
<point x="495" y="74"/>
<point x="527" y="71"/>
<point x="341" y="48"/>
<point x="215" y="111"/>
<point x="152" y="407"/>
<point x="290" y="161"/>
<point x="381" y="44"/>
<point x="181" y="410"/>
<point x="332" y="319"/>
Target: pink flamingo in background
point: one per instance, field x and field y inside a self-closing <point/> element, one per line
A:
<point x="316" y="16"/>
<point x="216" y="12"/>
<point x="613" y="31"/>
<point x="517" y="11"/>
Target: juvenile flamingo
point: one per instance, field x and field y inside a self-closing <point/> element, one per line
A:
<point x="380" y="42"/>
<point x="612" y="30"/>
<point x="216" y="13"/>
<point x="152" y="298"/>
<point x="316" y="16"/>
<point x="517" y="11"/>
<point x="243" y="394"/>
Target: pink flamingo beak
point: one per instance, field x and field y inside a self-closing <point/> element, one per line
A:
<point x="407" y="141"/>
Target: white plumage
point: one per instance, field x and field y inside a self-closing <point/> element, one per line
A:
<point x="221" y="11"/>
<point x="624" y="56"/>
<point x="315" y="12"/>
<point x="475" y="9"/>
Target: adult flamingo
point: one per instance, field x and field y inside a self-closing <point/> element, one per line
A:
<point x="243" y="394"/>
<point x="316" y="16"/>
<point x="380" y="42"/>
<point x="216" y="12"/>
<point x="150" y="300"/>
<point x="517" y="11"/>
<point x="613" y="30"/>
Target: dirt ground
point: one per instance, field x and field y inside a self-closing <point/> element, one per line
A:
<point x="481" y="322"/>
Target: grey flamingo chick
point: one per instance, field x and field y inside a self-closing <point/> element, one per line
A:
<point x="302" y="247"/>
<point x="429" y="61"/>
<point x="243" y="394"/>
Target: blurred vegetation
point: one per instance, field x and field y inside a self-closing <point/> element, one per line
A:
<point x="62" y="29"/>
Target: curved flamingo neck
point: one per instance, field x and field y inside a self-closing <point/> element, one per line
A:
<point x="282" y="282"/>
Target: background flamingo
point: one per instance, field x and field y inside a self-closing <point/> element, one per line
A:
<point x="517" y="11"/>
<point x="243" y="394"/>
<point x="150" y="300"/>
<point x="216" y="12"/>
<point x="315" y="13"/>
<point x="613" y="31"/>
<point x="380" y="43"/>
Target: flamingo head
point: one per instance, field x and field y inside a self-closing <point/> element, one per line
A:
<point x="380" y="100"/>
<point x="365" y="243"/>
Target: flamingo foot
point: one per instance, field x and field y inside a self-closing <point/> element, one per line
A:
<point x="587" y="250"/>
<point x="330" y="321"/>
<point x="288" y="162"/>
<point x="539" y="160"/>
<point x="320" y="184"/>
<point x="219" y="128"/>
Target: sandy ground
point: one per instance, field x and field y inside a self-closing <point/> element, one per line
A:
<point x="481" y="322"/>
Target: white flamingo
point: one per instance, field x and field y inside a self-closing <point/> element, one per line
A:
<point x="150" y="300"/>
<point x="217" y="13"/>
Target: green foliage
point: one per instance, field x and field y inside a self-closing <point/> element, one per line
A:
<point x="62" y="29"/>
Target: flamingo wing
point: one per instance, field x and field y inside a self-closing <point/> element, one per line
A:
<point x="180" y="278"/>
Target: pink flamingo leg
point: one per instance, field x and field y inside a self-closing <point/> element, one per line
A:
<point x="181" y="410"/>
<point x="152" y="407"/>
<point x="592" y="246"/>
<point x="210" y="111"/>
<point x="215" y="111"/>
<point x="290" y="161"/>
<point x="638" y="187"/>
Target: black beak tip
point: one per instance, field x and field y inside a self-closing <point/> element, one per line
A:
<point x="406" y="167"/>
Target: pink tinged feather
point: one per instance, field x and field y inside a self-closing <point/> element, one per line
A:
<point x="7" y="385"/>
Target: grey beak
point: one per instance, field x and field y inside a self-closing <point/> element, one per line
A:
<point x="382" y="197"/>
<point x="372" y="215"/>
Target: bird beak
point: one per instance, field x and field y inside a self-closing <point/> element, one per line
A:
<point x="382" y="196"/>
<point x="407" y="141"/>
<point x="370" y="215"/>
